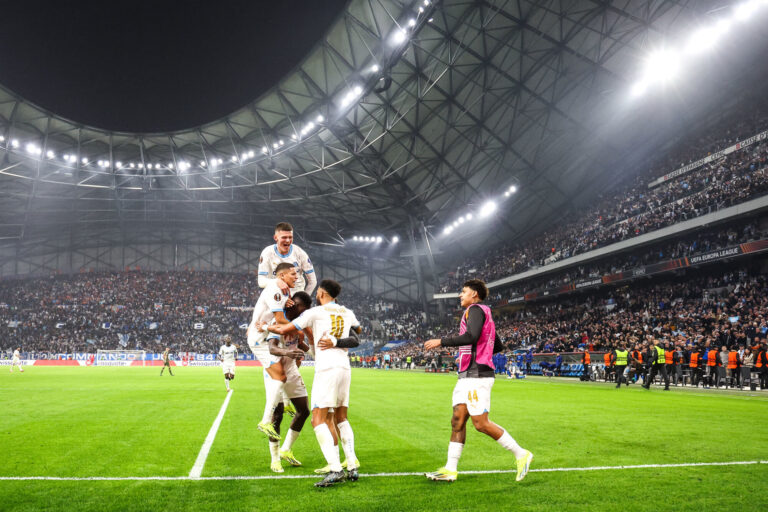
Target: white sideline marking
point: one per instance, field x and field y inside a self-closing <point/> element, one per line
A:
<point x="197" y="469"/>
<point x="294" y="477"/>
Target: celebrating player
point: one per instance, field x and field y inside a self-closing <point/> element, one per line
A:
<point x="166" y="361"/>
<point x="228" y="355"/>
<point x="271" y="306"/>
<point x="330" y="387"/>
<point x="285" y="251"/>
<point x="16" y="361"/>
<point x="477" y="342"/>
<point x="290" y="348"/>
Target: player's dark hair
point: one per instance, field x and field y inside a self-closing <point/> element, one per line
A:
<point x="283" y="266"/>
<point x="302" y="297"/>
<point x="332" y="287"/>
<point x="283" y="226"/>
<point x="478" y="286"/>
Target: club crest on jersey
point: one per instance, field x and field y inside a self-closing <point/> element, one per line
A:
<point x="277" y="297"/>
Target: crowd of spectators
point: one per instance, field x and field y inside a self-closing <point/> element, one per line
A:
<point x="630" y="211"/>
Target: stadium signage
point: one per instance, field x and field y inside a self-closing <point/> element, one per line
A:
<point x="656" y="268"/>
<point x="709" y="158"/>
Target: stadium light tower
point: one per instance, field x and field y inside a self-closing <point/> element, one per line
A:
<point x="488" y="208"/>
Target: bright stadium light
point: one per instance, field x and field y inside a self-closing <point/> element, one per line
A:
<point x="320" y="118"/>
<point x="461" y="220"/>
<point x="375" y="68"/>
<point x="293" y="136"/>
<point x="395" y="239"/>
<point x="399" y="36"/>
<point x="264" y="150"/>
<point x="662" y="66"/>
<point x="638" y="89"/>
<point x="745" y="10"/>
<point x="2" y="138"/>
<point x="468" y="216"/>
<point x="512" y="189"/>
<point x="132" y="165"/>
<point x="354" y="238"/>
<point x="251" y="154"/>
<point x="149" y="166"/>
<point x="487" y="209"/>
<point x="412" y="22"/>
<point x="15" y="143"/>
<point x="379" y="239"/>
<point x="118" y="164"/>
<point x="85" y="161"/>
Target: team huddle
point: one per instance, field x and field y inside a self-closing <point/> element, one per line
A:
<point x="284" y="327"/>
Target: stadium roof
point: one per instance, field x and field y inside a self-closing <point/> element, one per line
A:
<point x="405" y="113"/>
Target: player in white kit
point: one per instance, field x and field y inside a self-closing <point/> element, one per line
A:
<point x="291" y="349"/>
<point x="16" y="361"/>
<point x="337" y="329"/>
<point x="228" y="356"/>
<point x="270" y="306"/>
<point x="285" y="251"/>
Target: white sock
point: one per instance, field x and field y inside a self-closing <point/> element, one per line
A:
<point x="330" y="451"/>
<point x="286" y="400"/>
<point x="273" y="389"/>
<point x="454" y="454"/>
<point x="274" y="450"/>
<point x="348" y="443"/>
<point x="226" y="381"/>
<point x="290" y="438"/>
<point x="508" y="443"/>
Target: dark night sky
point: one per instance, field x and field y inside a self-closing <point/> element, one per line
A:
<point x="150" y="66"/>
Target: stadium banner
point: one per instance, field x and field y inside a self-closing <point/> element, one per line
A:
<point x="152" y="359"/>
<point x="647" y="270"/>
<point x="24" y="362"/>
<point x="709" y="158"/>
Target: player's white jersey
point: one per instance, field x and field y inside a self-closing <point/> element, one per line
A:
<point x="228" y="354"/>
<point x="16" y="354"/>
<point x="271" y="258"/>
<point x="289" y="341"/>
<point x="270" y="302"/>
<point x="330" y="319"/>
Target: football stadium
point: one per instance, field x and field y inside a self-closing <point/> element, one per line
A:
<point x="384" y="255"/>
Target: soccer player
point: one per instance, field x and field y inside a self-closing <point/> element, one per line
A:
<point x="291" y="349"/>
<point x="16" y="361"/>
<point x="285" y="251"/>
<point x="166" y="361"/>
<point x="271" y="306"/>
<point x="330" y="388"/>
<point x="228" y="355"/>
<point x="477" y="341"/>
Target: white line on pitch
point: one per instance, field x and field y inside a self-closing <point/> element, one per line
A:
<point x="197" y="469"/>
<point x="294" y="477"/>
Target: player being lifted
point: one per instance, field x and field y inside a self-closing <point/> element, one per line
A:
<point x="330" y="388"/>
<point x="477" y="342"/>
<point x="290" y="349"/>
<point x="16" y="361"/>
<point x="166" y="361"/>
<point x="228" y="355"/>
<point x="271" y="306"/>
<point x="285" y="251"/>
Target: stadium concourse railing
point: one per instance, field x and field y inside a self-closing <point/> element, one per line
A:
<point x="191" y="359"/>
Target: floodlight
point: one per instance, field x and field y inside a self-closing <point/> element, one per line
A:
<point x="320" y="118"/>
<point x="281" y="142"/>
<point x="2" y="138"/>
<point x="354" y="238"/>
<point x="638" y="89"/>
<point x="293" y="137"/>
<point x="375" y="68"/>
<point x="251" y="154"/>
<point x="399" y="36"/>
<point x="745" y="10"/>
<point x="15" y="143"/>
<point x="512" y="189"/>
<point x="84" y="160"/>
<point x="118" y="164"/>
<point x="141" y="165"/>
<point x="264" y="150"/>
<point x="378" y="239"/>
<point x="662" y="66"/>
<point x="461" y="220"/>
<point x="469" y="216"/>
<point x="487" y="209"/>
<point x="411" y="22"/>
<point x="358" y="90"/>
<point x="202" y="163"/>
<point x="274" y="145"/>
<point x="149" y="166"/>
<point x="132" y="165"/>
<point x="395" y="239"/>
<point x="310" y="126"/>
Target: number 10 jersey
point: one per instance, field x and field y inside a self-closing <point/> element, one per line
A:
<point x="330" y="319"/>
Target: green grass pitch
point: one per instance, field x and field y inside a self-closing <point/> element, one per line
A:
<point x="130" y="422"/>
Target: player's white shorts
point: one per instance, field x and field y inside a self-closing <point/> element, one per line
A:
<point x="260" y="348"/>
<point x="16" y="361"/>
<point x="228" y="368"/>
<point x="294" y="384"/>
<point x="475" y="393"/>
<point x="330" y="388"/>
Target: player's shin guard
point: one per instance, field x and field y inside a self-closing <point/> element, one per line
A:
<point x="508" y="443"/>
<point x="330" y="451"/>
<point x="274" y="390"/>
<point x="348" y="443"/>
<point x="454" y="454"/>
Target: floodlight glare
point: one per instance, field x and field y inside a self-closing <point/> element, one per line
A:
<point x="251" y="154"/>
<point x="354" y="238"/>
<point x="469" y="216"/>
<point x="638" y="89"/>
<point x="447" y="231"/>
<point x="264" y="150"/>
<point x="411" y="22"/>
<point x="275" y="145"/>
<point x="375" y="68"/>
<point x="662" y="66"/>
<point x="512" y="189"/>
<point x="15" y="143"/>
<point x="293" y="137"/>
<point x="85" y="161"/>
<point x="702" y="40"/>
<point x="2" y="138"/>
<point x="118" y="164"/>
<point x="399" y="36"/>
<point x="320" y="118"/>
<point x="745" y="10"/>
<point x="132" y="165"/>
<point x="378" y="239"/>
<point x="487" y="209"/>
<point x="461" y="220"/>
<point x="149" y="166"/>
<point x="395" y="239"/>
